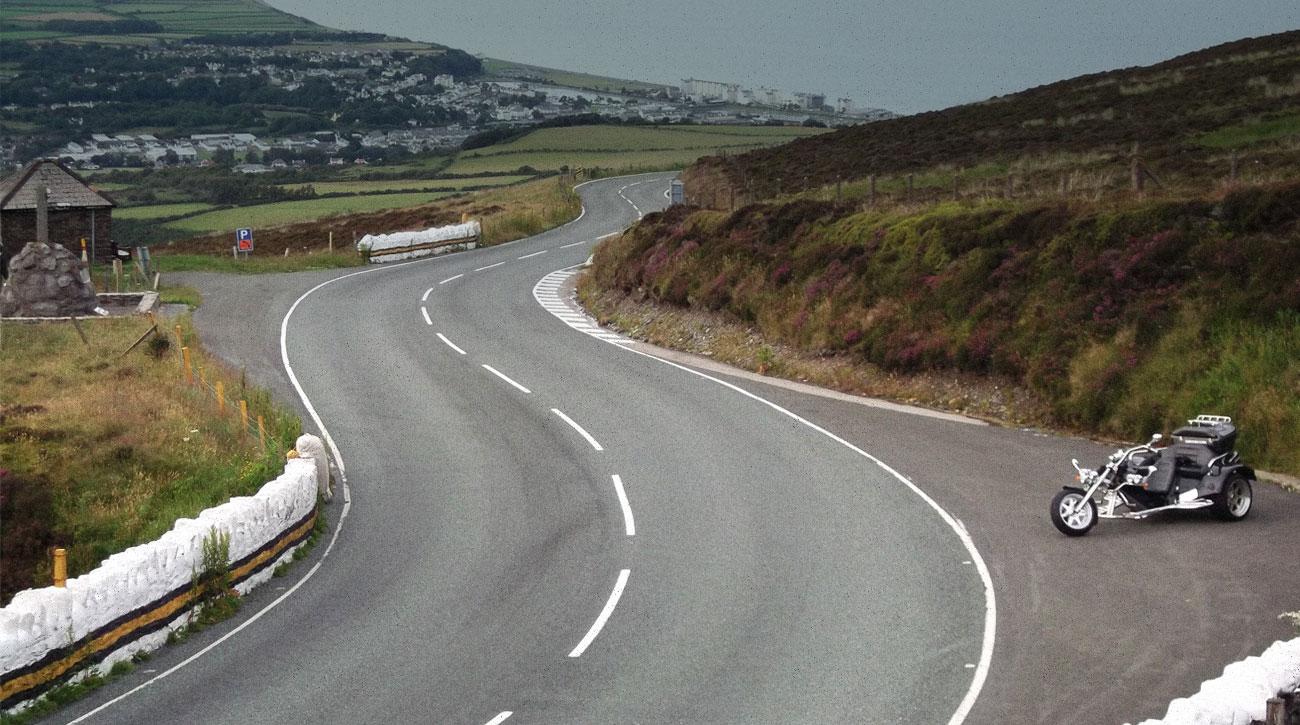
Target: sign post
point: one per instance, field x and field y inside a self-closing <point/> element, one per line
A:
<point x="243" y="242"/>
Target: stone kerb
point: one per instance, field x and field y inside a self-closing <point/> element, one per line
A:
<point x="399" y="246"/>
<point x="135" y="598"/>
<point x="1240" y="694"/>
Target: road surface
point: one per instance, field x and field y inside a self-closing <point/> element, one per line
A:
<point x="549" y="525"/>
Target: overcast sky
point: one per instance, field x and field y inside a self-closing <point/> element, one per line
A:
<point x="903" y="55"/>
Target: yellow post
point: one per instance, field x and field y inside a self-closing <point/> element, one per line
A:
<point x="84" y="258"/>
<point x="203" y="381"/>
<point x="243" y="417"/>
<point x="60" y="567"/>
<point x="180" y="339"/>
<point x="261" y="431"/>
<point x="221" y="397"/>
<point x="189" y="371"/>
<point x="464" y="217"/>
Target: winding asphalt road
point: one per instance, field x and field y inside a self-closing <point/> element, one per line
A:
<point x="549" y="525"/>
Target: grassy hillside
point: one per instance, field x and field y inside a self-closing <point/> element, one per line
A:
<point x="1116" y="311"/>
<point x="568" y="79"/>
<point x="1188" y="116"/>
<point x="1123" y="318"/>
<point x="142" y="20"/>
<point x="620" y="148"/>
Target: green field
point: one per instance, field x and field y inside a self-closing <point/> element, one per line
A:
<point x="290" y="212"/>
<point x="24" y="19"/>
<point x="370" y="187"/>
<point x="621" y="148"/>
<point x="568" y="79"/>
<point x="1252" y="132"/>
<point x="157" y="211"/>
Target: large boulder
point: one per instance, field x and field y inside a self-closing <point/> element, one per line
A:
<point x="46" y="280"/>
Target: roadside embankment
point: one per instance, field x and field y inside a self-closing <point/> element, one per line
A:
<point x="105" y="445"/>
<point x="1114" y="319"/>
<point x="135" y="599"/>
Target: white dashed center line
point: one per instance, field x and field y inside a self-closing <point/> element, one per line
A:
<point x="505" y="377"/>
<point x="490" y="266"/>
<point x="566" y="246"/>
<point x="424" y="311"/>
<point x="534" y="254"/>
<point x="449" y="279"/>
<point x="578" y="428"/>
<point x="450" y="344"/>
<point x="628" y="524"/>
<point x="604" y="614"/>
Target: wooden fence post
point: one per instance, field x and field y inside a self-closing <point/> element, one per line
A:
<point x="60" y="567"/>
<point x="221" y="397"/>
<point x="1135" y="170"/>
<point x="243" y="417"/>
<point x="185" y="360"/>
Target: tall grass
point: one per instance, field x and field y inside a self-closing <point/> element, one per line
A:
<point x="118" y="445"/>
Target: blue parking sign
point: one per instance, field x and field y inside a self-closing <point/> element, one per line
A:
<point x="244" y="239"/>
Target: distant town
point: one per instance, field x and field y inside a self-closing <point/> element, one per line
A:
<point x="431" y="111"/>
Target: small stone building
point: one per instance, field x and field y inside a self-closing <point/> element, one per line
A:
<point x="76" y="211"/>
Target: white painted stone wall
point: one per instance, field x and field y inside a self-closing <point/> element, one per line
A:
<point x="398" y="240"/>
<point x="1241" y="693"/>
<point x="40" y="620"/>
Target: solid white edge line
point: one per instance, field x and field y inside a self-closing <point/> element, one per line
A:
<point x="990" y="600"/>
<point x="338" y="459"/>
<point x="490" y="266"/>
<point x="629" y="525"/>
<point x="427" y="292"/>
<point x="582" y="432"/>
<point x="504" y="377"/>
<point x="534" y="254"/>
<point x="500" y="718"/>
<point x="425" y="312"/>
<point x="604" y="614"/>
<point x="338" y="529"/>
<point x="450" y="344"/>
<point x="990" y="597"/>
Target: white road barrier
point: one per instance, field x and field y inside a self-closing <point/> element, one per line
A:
<point x="135" y="598"/>
<point x="1240" y="694"/>
<point x="410" y="245"/>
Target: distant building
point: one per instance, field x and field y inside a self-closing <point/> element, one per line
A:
<point x="704" y="91"/>
<point x="446" y="80"/>
<point x="76" y="211"/>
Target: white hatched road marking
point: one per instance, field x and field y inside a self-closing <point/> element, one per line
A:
<point x="547" y="294"/>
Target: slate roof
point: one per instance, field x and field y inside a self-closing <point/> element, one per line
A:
<point x="66" y="189"/>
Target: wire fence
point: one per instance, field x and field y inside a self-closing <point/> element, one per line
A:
<point x="227" y="405"/>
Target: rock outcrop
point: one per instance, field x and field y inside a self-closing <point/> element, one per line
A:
<point x="46" y="280"/>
